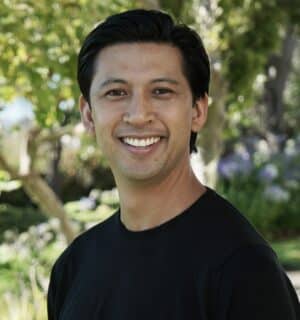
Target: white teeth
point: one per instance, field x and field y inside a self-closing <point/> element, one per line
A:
<point x="141" y="142"/>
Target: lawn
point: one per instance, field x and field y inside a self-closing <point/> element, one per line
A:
<point x="288" y="252"/>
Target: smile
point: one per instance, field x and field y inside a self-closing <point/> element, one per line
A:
<point x="140" y="142"/>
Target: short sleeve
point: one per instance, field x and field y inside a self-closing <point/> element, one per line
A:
<point x="253" y="285"/>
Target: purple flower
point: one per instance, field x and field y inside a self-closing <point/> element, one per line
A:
<point x="276" y="193"/>
<point x="233" y="165"/>
<point x="268" y="173"/>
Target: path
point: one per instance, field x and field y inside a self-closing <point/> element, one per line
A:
<point x="295" y="278"/>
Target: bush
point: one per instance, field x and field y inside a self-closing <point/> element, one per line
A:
<point x="262" y="179"/>
<point x="18" y="219"/>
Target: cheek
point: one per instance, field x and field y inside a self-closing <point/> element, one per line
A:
<point x="105" y="124"/>
<point x="105" y="119"/>
<point x="182" y="126"/>
<point x="100" y="121"/>
<point x="181" y="118"/>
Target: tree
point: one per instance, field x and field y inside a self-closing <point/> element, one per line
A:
<point x="39" y="42"/>
<point x="278" y="68"/>
<point x="240" y="36"/>
<point x="38" y="55"/>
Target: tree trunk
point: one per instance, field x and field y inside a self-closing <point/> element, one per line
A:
<point x="40" y="193"/>
<point x="210" y="137"/>
<point x="278" y="69"/>
<point x="55" y="176"/>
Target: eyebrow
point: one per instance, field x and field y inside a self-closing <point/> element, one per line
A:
<point x="165" y="80"/>
<point x="112" y="80"/>
<point x="122" y="81"/>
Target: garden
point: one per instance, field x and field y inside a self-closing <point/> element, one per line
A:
<point x="55" y="182"/>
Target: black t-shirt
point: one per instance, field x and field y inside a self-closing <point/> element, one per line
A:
<point x="207" y="263"/>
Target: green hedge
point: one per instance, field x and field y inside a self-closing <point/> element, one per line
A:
<point x="18" y="219"/>
<point x="274" y="220"/>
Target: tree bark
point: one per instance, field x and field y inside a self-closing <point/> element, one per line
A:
<point x="278" y="69"/>
<point x="55" y="176"/>
<point x="210" y="139"/>
<point x="41" y="194"/>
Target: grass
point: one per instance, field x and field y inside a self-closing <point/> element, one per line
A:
<point x="288" y="252"/>
<point x="30" y="303"/>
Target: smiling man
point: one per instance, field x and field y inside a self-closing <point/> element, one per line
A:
<point x="175" y="249"/>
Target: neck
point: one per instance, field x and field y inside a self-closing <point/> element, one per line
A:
<point x="147" y="205"/>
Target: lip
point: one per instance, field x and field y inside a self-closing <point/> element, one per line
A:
<point x="139" y="136"/>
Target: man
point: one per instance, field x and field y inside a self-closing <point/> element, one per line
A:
<point x="175" y="249"/>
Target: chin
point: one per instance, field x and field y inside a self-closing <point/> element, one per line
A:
<point x="143" y="174"/>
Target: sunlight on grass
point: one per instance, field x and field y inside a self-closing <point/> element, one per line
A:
<point x="288" y="252"/>
<point x="27" y="303"/>
<point x="23" y="307"/>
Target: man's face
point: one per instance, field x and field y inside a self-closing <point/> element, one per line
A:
<point x="142" y="110"/>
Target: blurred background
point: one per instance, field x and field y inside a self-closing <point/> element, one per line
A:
<point x="54" y="181"/>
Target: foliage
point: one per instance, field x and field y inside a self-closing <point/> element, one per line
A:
<point x="38" y="51"/>
<point x="82" y="166"/>
<point x="26" y="258"/>
<point x="262" y="179"/>
<point x="42" y="238"/>
<point x="292" y="96"/>
<point x="39" y="42"/>
<point x="288" y="252"/>
<point x="18" y="218"/>
<point x="25" y="262"/>
<point x="30" y="303"/>
<point x="38" y="63"/>
<point x="251" y="31"/>
<point x="93" y="209"/>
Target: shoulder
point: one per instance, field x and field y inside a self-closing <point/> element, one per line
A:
<point x="225" y="212"/>
<point x="100" y="232"/>
<point x="84" y="248"/>
<point x="247" y="265"/>
<point x="252" y="279"/>
<point x="85" y="244"/>
<point x="228" y="229"/>
<point x="217" y="229"/>
<point x="250" y="260"/>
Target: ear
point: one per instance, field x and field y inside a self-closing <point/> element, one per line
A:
<point x="86" y="115"/>
<point x="199" y="115"/>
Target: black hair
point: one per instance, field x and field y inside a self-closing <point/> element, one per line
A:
<point x="142" y="25"/>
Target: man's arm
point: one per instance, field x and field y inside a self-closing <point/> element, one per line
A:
<point x="253" y="285"/>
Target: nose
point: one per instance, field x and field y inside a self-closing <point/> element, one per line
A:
<point x="139" y="111"/>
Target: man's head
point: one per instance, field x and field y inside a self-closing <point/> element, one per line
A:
<point x="140" y="26"/>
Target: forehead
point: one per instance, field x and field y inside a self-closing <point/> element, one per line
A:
<point x="139" y="60"/>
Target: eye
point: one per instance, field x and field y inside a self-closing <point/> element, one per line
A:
<point x="162" y="91"/>
<point x="116" y="93"/>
